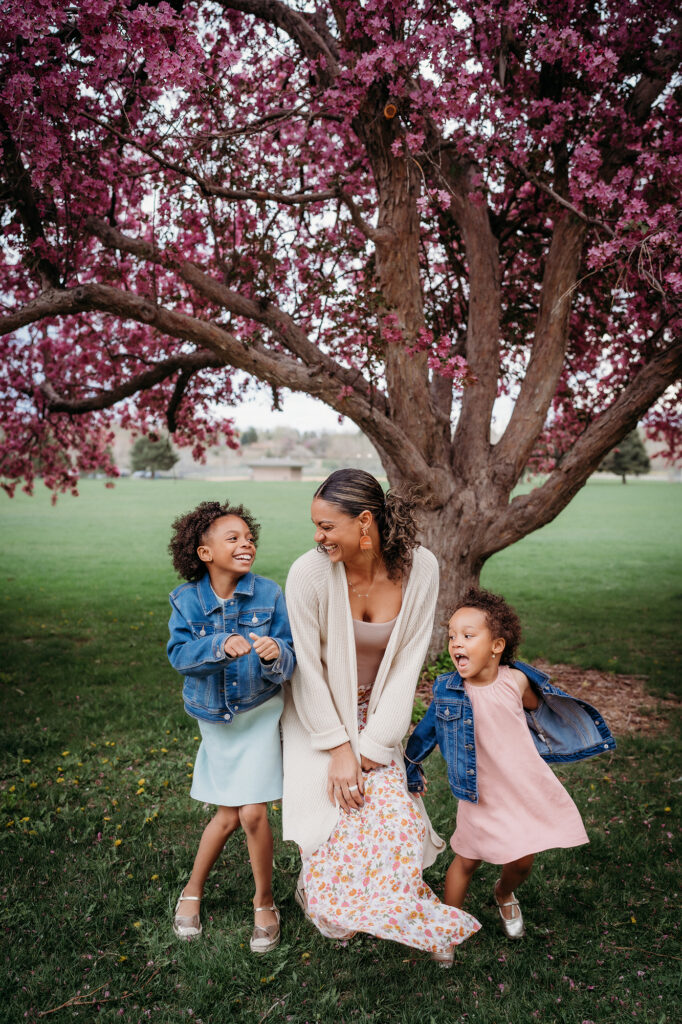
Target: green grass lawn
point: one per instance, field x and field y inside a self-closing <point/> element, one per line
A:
<point x="98" y="831"/>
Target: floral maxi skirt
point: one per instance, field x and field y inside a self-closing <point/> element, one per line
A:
<point x="367" y="877"/>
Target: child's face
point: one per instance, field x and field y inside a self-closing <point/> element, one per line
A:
<point x="472" y="646"/>
<point x="228" y="546"/>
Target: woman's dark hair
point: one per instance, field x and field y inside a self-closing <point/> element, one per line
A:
<point x="190" y="529"/>
<point x="501" y="619"/>
<point x="355" y="491"/>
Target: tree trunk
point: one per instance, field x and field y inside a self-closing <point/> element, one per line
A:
<point x="455" y="537"/>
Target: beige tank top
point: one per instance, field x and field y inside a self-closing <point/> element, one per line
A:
<point x="371" y="640"/>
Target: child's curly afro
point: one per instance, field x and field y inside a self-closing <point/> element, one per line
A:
<point x="189" y="531"/>
<point x="501" y="618"/>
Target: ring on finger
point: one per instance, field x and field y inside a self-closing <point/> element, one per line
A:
<point x="351" y="789"/>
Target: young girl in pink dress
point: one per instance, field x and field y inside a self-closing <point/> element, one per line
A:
<point x="497" y="728"/>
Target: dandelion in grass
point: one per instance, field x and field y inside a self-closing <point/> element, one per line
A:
<point x="117" y="842"/>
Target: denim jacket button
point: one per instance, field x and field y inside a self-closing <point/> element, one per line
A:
<point x="446" y="712"/>
<point x="467" y="721"/>
<point x="470" y="771"/>
<point x="227" y="717"/>
<point x="470" y="746"/>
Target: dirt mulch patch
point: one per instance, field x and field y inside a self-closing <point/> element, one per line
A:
<point x="623" y="700"/>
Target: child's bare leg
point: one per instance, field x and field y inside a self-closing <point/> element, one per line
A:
<point x="513" y="874"/>
<point x="254" y="821"/>
<point x="215" y="835"/>
<point x="457" y="880"/>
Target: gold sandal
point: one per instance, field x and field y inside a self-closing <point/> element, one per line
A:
<point x="265" y="938"/>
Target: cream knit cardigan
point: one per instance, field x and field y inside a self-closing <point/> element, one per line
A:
<point x="320" y="709"/>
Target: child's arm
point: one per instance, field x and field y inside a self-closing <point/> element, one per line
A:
<point x="190" y="655"/>
<point x="529" y="698"/>
<point x="276" y="651"/>
<point x="419" y="746"/>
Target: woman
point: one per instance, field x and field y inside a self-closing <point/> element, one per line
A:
<point x="361" y="611"/>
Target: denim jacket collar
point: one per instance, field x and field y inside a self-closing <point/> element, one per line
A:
<point x="207" y="596"/>
<point x="453" y="680"/>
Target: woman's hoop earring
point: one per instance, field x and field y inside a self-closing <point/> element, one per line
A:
<point x="365" y="541"/>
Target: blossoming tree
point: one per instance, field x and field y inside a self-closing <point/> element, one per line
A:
<point x="404" y="209"/>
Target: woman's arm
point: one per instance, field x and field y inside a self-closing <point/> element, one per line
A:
<point x="309" y="687"/>
<point x="312" y="696"/>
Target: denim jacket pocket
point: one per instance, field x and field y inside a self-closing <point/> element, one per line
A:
<point x="203" y="628"/>
<point x="448" y="725"/>
<point x="255" y="620"/>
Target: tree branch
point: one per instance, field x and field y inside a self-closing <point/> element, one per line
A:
<point x="19" y="182"/>
<point x="548" y="190"/>
<point x="376" y="235"/>
<point x="295" y="24"/>
<point x="105" y="399"/>
<point x="528" y="512"/>
<point x="265" y="313"/>
<point x="549" y="348"/>
<point x="209" y="188"/>
<point x="275" y="368"/>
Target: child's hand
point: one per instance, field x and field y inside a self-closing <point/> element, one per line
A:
<point x="265" y="647"/>
<point x="236" y="646"/>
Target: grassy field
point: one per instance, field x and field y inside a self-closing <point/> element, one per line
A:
<point x="98" y="832"/>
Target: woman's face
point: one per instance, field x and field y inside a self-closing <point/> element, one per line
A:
<point x="337" y="533"/>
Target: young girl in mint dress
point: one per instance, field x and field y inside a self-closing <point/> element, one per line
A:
<point x="230" y="639"/>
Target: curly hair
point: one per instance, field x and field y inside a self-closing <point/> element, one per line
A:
<point x="501" y="619"/>
<point x="355" y="491"/>
<point x="190" y="529"/>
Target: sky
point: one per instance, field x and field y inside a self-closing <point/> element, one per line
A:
<point x="298" y="410"/>
<point x="305" y="413"/>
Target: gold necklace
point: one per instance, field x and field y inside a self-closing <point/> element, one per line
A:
<point x="357" y="592"/>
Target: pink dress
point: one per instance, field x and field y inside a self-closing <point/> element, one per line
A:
<point x="367" y="877"/>
<point x="522" y="807"/>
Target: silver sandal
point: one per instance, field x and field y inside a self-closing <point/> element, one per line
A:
<point x="513" y="926"/>
<point x="186" y="927"/>
<point x="265" y="938"/>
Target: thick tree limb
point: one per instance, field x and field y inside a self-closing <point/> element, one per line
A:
<point x="312" y="43"/>
<point x="265" y="313"/>
<point x="108" y="397"/>
<point x="528" y="512"/>
<point x="275" y="368"/>
<point x="549" y="348"/>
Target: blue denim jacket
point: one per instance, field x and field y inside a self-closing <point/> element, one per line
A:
<point x="216" y="686"/>
<point x="563" y="728"/>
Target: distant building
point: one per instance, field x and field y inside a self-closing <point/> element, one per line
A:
<point x="276" y="469"/>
